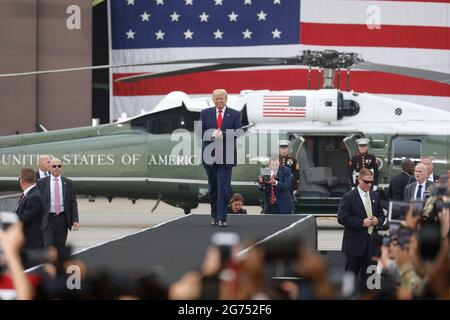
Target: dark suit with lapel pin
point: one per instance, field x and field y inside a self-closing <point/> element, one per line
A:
<point x="55" y="227"/>
<point x="219" y="159"/>
<point x="358" y="245"/>
<point x="410" y="190"/>
<point x="283" y="200"/>
<point x="30" y="210"/>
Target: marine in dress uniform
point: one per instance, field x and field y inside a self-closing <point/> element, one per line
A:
<point x="362" y="159"/>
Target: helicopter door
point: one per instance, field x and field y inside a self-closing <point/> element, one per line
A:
<point x="352" y="148"/>
<point x="296" y="145"/>
<point x="350" y="143"/>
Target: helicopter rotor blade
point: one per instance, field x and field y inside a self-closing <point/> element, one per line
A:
<point x="404" y="71"/>
<point x="231" y="61"/>
<point x="176" y="72"/>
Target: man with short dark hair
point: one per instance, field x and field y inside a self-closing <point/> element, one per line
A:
<point x="60" y="206"/>
<point x="30" y="212"/>
<point x="398" y="183"/>
<point x="360" y="213"/>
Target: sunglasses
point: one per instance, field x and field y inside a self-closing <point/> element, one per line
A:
<point x="56" y="166"/>
<point x="367" y="181"/>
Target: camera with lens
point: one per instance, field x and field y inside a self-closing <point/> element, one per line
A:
<point x="266" y="173"/>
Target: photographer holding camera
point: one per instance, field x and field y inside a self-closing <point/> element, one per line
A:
<point x="276" y="186"/>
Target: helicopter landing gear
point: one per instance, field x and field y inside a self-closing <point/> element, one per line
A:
<point x="109" y="199"/>
<point x="91" y="199"/>
<point x="187" y="211"/>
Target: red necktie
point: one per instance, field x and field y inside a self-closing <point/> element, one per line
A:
<point x="219" y="120"/>
<point x="272" y="194"/>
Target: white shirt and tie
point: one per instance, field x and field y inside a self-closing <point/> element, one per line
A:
<point x="43" y="174"/>
<point x="420" y="188"/>
<point x="223" y="112"/>
<point x="52" y="193"/>
<point x="365" y="197"/>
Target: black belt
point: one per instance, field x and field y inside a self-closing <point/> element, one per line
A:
<point x="54" y="213"/>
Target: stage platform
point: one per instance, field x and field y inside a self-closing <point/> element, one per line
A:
<point x="172" y="248"/>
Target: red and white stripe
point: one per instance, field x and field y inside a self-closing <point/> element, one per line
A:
<point x="412" y="34"/>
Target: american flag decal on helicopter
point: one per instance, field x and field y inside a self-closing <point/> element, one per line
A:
<point x="284" y="106"/>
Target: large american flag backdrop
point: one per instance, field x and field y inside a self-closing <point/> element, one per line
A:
<point x="404" y="33"/>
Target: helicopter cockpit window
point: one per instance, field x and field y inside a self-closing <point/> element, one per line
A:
<point x="406" y="148"/>
<point x="165" y="122"/>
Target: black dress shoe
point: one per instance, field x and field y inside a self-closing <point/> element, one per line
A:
<point x="222" y="223"/>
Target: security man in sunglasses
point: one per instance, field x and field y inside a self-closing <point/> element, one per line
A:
<point x="362" y="159"/>
<point x="60" y="206"/>
<point x="360" y="213"/>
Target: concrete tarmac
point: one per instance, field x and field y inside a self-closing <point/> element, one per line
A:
<point x="102" y="221"/>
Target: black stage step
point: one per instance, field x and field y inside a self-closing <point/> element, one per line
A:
<point x="173" y="248"/>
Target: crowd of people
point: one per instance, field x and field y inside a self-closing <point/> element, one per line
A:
<point x="395" y="256"/>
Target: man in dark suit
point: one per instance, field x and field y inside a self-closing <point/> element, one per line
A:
<point x="30" y="209"/>
<point x="430" y="174"/>
<point x="416" y="190"/>
<point x="277" y="196"/>
<point x="44" y="166"/>
<point x="398" y="183"/>
<point x="360" y="213"/>
<point x="60" y="206"/>
<point x="219" y="129"/>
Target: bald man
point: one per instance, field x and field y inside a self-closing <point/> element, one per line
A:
<point x="60" y="206"/>
<point x="416" y="190"/>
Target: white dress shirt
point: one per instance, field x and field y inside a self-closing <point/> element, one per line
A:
<point x="52" y="193"/>
<point x="431" y="177"/>
<point x="223" y="112"/>
<point x="423" y="184"/>
<point x="42" y="174"/>
<point x="28" y="189"/>
<point x="274" y="174"/>
<point x="362" y="194"/>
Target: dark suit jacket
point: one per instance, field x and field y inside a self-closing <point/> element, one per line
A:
<point x="30" y="211"/>
<point x="410" y="188"/>
<point x="70" y="200"/>
<point x="282" y="191"/>
<point x="351" y="215"/>
<point x="231" y="120"/>
<point x="38" y="176"/>
<point x="397" y="186"/>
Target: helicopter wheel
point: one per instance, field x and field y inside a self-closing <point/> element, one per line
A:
<point x="187" y="211"/>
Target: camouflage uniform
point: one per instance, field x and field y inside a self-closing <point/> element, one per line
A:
<point x="363" y="160"/>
